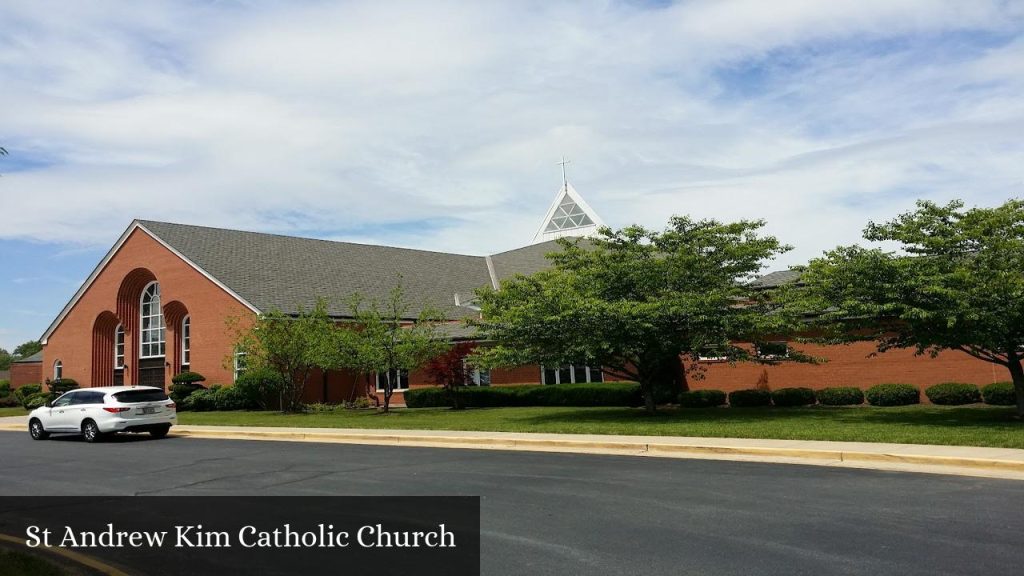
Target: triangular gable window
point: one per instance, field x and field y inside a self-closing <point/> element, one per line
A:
<point x="567" y="216"/>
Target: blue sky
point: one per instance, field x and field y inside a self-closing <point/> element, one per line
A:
<point x="438" y="124"/>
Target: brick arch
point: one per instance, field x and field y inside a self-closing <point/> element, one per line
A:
<point x="103" y="349"/>
<point x="174" y="314"/>
<point x="128" y="310"/>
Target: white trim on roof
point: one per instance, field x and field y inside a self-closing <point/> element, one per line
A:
<point x="135" y="225"/>
<point x="544" y="234"/>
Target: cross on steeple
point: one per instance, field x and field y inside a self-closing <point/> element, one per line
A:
<point x="565" y="182"/>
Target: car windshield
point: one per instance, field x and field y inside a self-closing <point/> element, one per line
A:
<point x="130" y="396"/>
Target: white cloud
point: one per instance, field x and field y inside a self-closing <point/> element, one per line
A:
<point x="333" y="118"/>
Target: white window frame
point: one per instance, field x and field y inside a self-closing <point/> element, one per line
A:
<point x="186" y="341"/>
<point x="474" y="376"/>
<point x="377" y="382"/>
<point x="160" y="330"/>
<point x="239" y="364"/>
<point x="119" y="347"/>
<point x="757" y="349"/>
<point x="573" y="378"/>
<point x="58" y="370"/>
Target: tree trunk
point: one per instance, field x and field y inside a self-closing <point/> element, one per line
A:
<point x="453" y="392"/>
<point x="647" y="389"/>
<point x="388" y="391"/>
<point x="1017" y="372"/>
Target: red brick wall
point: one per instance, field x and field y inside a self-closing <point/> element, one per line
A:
<point x="208" y="306"/>
<point x="852" y="365"/>
<point x="26" y="373"/>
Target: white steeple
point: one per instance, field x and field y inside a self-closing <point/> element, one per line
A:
<point x="569" y="215"/>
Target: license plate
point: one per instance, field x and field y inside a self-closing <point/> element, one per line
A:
<point x="146" y="410"/>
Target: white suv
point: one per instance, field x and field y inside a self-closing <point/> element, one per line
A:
<point x="97" y="412"/>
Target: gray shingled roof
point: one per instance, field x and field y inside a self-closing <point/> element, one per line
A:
<point x="776" y="279"/>
<point x="526" y="260"/>
<point x="285" y="273"/>
<point x="37" y="357"/>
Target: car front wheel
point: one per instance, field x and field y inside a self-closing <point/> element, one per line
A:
<point x="36" y="430"/>
<point x="91" y="432"/>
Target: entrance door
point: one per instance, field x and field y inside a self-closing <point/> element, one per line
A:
<point x="151" y="372"/>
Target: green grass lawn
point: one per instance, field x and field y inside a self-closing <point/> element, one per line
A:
<point x="16" y="411"/>
<point x="965" y="426"/>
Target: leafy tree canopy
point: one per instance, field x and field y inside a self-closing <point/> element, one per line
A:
<point x="635" y="301"/>
<point x="956" y="283"/>
<point x="27" y="349"/>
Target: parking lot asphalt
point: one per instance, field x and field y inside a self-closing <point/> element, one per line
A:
<point x="549" y="513"/>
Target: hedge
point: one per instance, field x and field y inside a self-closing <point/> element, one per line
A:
<point x="701" y="398"/>
<point x="23" y="393"/>
<point x="953" y="394"/>
<point x="750" y="398"/>
<point x="58" y="387"/>
<point x="999" y="394"/>
<point x="181" y="391"/>
<point x="603" y="394"/>
<point x="841" y="396"/>
<point x="5" y="388"/>
<point x="188" y="378"/>
<point x="893" y="395"/>
<point x="793" y="397"/>
<point x="218" y="397"/>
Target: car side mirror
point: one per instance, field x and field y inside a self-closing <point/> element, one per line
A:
<point x="49" y="404"/>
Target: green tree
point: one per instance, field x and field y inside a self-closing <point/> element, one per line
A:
<point x="642" y="304"/>
<point x="382" y="339"/>
<point x="291" y="345"/>
<point x="27" y="349"/>
<point x="5" y="359"/>
<point x="957" y="283"/>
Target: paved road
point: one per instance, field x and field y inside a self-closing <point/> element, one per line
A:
<point x="588" y="514"/>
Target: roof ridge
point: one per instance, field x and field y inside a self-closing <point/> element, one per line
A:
<point x="292" y="237"/>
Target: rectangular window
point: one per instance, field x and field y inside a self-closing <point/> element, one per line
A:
<point x="476" y="376"/>
<point x="399" y="380"/>
<point x="571" y="374"/>
<point x="711" y="354"/>
<point x="770" y="350"/>
<point x="119" y="348"/>
<point x="186" y="342"/>
<point x="240" y="364"/>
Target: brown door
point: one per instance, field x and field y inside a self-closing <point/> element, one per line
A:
<point x="151" y="372"/>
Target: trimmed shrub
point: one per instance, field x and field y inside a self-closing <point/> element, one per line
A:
<point x="893" y="395"/>
<point x="953" y="394"/>
<point x="606" y="394"/>
<point x="359" y="403"/>
<point x="596" y="394"/>
<point x="179" y="392"/>
<point x="5" y="388"/>
<point x="9" y="402"/>
<point x="701" y="398"/>
<point x="260" y="387"/>
<point x="58" y="387"/>
<point x="750" y="398"/>
<point x="793" y="397"/>
<point x="232" y="398"/>
<point x="188" y="378"/>
<point x="200" y="400"/>
<point x="37" y="400"/>
<point x="841" y="396"/>
<point x="23" y="393"/>
<point x="999" y="394"/>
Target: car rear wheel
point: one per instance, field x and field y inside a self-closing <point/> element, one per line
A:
<point x="159" y="432"/>
<point x="91" y="432"/>
<point x="36" y="430"/>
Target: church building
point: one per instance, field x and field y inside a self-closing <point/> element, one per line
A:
<point x="161" y="300"/>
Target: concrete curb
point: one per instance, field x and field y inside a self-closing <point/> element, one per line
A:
<point x="712" y="448"/>
<point x="673" y="450"/>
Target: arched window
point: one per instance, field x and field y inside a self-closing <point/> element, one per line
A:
<point x="58" y="370"/>
<point x="186" y="337"/>
<point x="151" y="333"/>
<point x="119" y="347"/>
